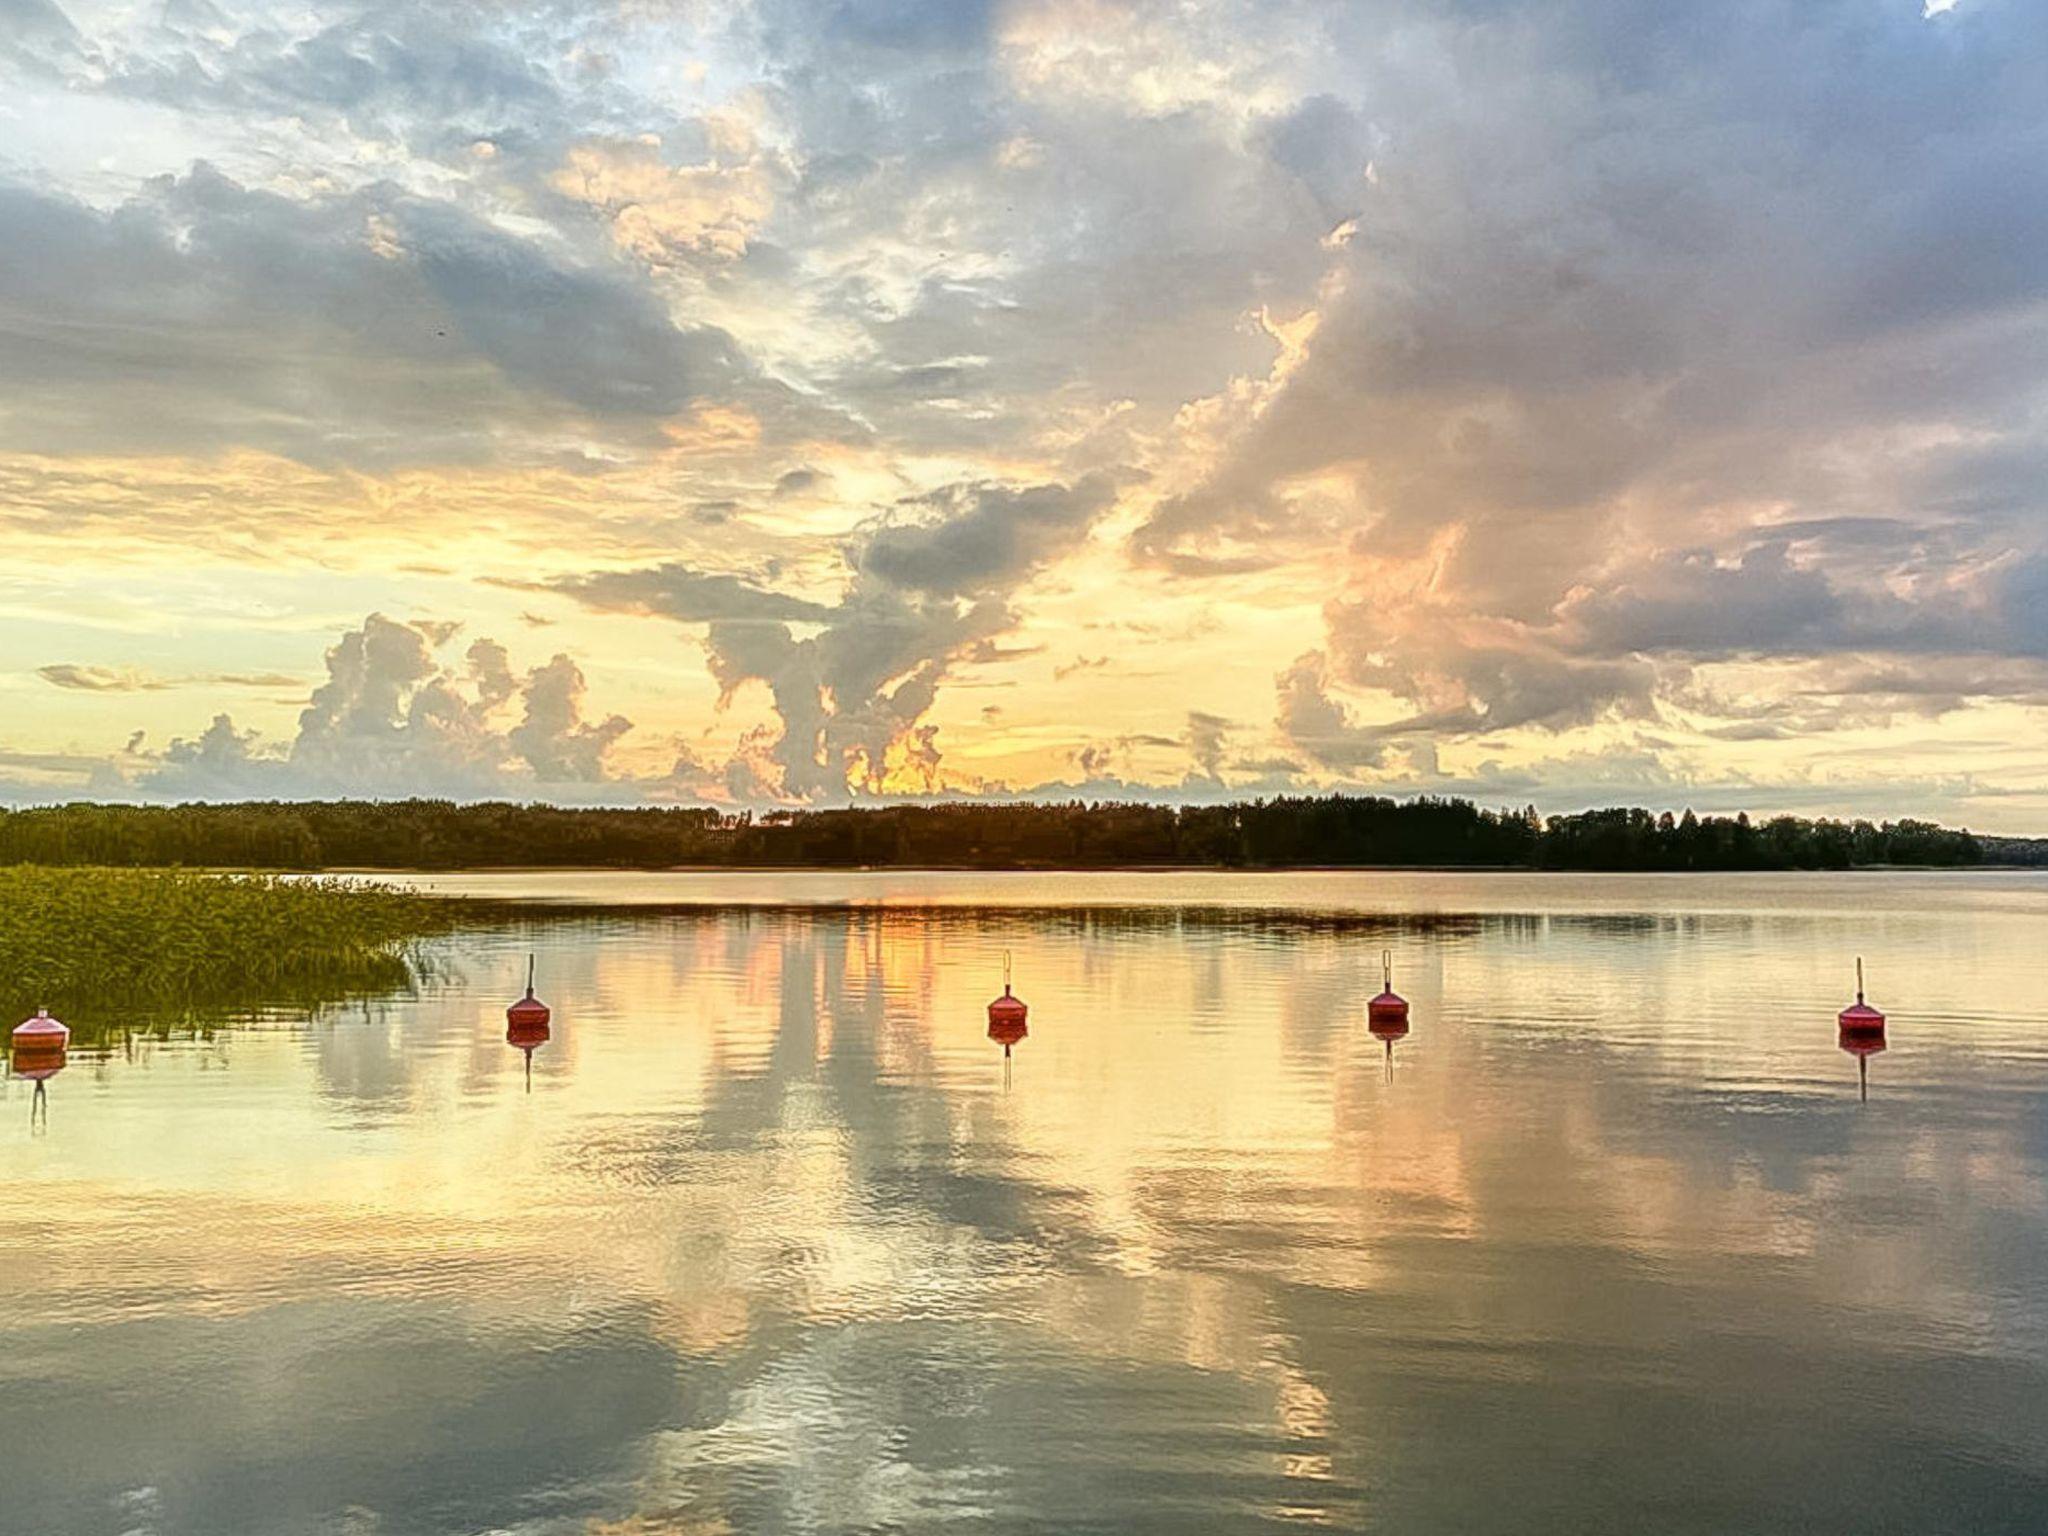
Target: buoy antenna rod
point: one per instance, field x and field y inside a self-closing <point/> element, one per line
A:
<point x="1387" y="968"/>
<point x="529" y="975"/>
<point x="1006" y="985"/>
<point x="1859" y="978"/>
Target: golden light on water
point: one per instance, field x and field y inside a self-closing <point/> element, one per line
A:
<point x="770" y="1156"/>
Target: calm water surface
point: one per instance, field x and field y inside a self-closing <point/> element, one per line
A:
<point x="775" y="1242"/>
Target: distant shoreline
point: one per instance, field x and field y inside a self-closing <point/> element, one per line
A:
<point x="1286" y="835"/>
<point x="371" y="871"/>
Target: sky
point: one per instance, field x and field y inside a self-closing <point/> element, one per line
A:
<point x="757" y="402"/>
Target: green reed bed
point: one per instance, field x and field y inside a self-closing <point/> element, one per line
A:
<point x="105" y="947"/>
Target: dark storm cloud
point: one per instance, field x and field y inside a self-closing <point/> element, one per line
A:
<point x="374" y="327"/>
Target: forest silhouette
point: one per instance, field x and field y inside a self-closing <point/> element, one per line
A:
<point x="1288" y="832"/>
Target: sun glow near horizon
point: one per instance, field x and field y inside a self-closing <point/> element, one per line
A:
<point x="778" y="403"/>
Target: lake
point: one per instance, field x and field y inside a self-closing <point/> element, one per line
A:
<point x="769" y="1237"/>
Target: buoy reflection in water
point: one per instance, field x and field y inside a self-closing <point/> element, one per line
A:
<point x="1388" y="1031"/>
<point x="1862" y="1044"/>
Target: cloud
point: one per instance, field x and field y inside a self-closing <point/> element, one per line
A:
<point x="552" y="738"/>
<point x="923" y="597"/>
<point x="1690" y="604"/>
<point x="674" y="591"/>
<point x="1597" y="375"/>
<point x="1614" y="307"/>
<point x="981" y="538"/>
<point x="386" y="70"/>
<point x="100" y="679"/>
<point x="89" y="679"/>
<point x="705" y="211"/>
<point x="858" y="689"/>
<point x="371" y="328"/>
<point x="1317" y="725"/>
<point x="394" y="718"/>
<point x="1206" y="737"/>
<point x="26" y="22"/>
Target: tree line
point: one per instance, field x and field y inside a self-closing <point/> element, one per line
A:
<point x="1259" y="834"/>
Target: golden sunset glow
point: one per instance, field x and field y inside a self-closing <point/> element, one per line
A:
<point x="1018" y="397"/>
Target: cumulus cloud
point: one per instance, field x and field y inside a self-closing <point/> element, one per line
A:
<point x="928" y="590"/>
<point x="1609" y="337"/>
<point x="665" y="213"/>
<point x="552" y="738"/>
<point x="393" y="717"/>
<point x="1317" y="725"/>
<point x="1206" y="738"/>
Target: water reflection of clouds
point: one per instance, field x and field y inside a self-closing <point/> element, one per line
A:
<point x="313" y="1407"/>
<point x="1203" y="1258"/>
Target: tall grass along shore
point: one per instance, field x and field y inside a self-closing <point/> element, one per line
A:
<point x="90" y="944"/>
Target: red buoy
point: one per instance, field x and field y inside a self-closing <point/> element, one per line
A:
<point x="526" y="1024"/>
<point x="39" y="1046"/>
<point x="529" y="1012"/>
<point x="1007" y="1014"/>
<point x="1389" y="1010"/>
<point x="1859" y="1015"/>
<point x="41" y="1033"/>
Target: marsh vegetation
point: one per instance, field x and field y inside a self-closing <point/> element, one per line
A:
<point x="106" y="947"/>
